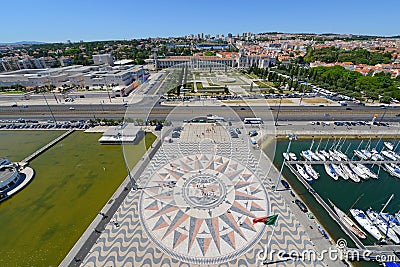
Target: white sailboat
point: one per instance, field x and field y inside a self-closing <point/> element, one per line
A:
<point x="340" y="171"/>
<point x="286" y="156"/>
<point x="292" y="156"/>
<point x="334" y="156"/>
<point x="306" y="155"/>
<point x="361" y="155"/>
<point x="393" y="222"/>
<point x="330" y="171"/>
<point x="391" y="170"/>
<point x="348" y="222"/>
<point x="320" y="155"/>
<point x="388" y="145"/>
<point x="310" y="171"/>
<point x="324" y="153"/>
<point x="367" y="171"/>
<point x="366" y="223"/>
<point x="303" y="174"/>
<point x="341" y="154"/>
<point x="349" y="173"/>
<point x="382" y="225"/>
<point x="359" y="172"/>
<point x="366" y="153"/>
<point x="390" y="154"/>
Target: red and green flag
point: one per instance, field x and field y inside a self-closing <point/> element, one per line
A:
<point x="268" y="220"/>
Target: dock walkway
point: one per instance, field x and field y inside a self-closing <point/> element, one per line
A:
<point x="44" y="148"/>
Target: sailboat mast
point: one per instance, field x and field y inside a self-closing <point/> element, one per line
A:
<point x="384" y="207"/>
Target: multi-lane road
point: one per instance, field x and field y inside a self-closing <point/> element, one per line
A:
<point x="157" y="111"/>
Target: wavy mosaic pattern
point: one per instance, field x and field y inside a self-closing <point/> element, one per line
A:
<point x="132" y="243"/>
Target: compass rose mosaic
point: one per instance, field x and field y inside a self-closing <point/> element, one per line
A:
<point x="199" y="209"/>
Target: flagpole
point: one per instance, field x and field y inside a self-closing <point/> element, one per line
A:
<point x="268" y="243"/>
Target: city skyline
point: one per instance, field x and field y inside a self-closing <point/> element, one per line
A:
<point x="98" y="20"/>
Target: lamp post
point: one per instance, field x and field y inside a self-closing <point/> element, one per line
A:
<point x="132" y="181"/>
<point x="279" y="108"/>
<point x="291" y="137"/>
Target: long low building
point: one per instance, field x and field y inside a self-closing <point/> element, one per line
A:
<point x="126" y="133"/>
<point x="91" y="76"/>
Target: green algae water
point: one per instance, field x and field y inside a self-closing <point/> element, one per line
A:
<point x="344" y="194"/>
<point x="73" y="180"/>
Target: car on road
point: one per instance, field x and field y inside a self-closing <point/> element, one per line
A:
<point x="349" y="108"/>
<point x="14" y="105"/>
<point x="71" y="108"/>
<point x="301" y="205"/>
<point x="285" y="184"/>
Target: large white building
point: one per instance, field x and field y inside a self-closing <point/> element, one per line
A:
<point x="103" y="59"/>
<point x="91" y="76"/>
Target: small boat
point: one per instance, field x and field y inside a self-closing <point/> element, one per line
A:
<point x="286" y="156"/>
<point x="359" y="172"/>
<point x="391" y="170"/>
<point x="350" y="173"/>
<point x="334" y="156"/>
<point x="313" y="155"/>
<point x="303" y="174"/>
<point x="366" y="223"/>
<point x="324" y="153"/>
<point x="310" y="171"/>
<point x="292" y="156"/>
<point x="382" y="225"/>
<point x="340" y="171"/>
<point x="320" y="155"/>
<point x="390" y="154"/>
<point x="366" y="153"/>
<point x="306" y="155"/>
<point x="352" y="226"/>
<point x="341" y="154"/>
<point x="367" y="171"/>
<point x="359" y="154"/>
<point x="375" y="155"/>
<point x="394" y="223"/>
<point x="388" y="145"/>
<point x="330" y="171"/>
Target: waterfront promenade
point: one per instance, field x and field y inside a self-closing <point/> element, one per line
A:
<point x="195" y="204"/>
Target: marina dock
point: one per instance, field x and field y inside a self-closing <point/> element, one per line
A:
<point x="328" y="209"/>
<point x="44" y="148"/>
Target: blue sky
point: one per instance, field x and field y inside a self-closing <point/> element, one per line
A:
<point x="61" y="20"/>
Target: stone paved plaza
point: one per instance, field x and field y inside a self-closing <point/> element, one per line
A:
<point x="195" y="206"/>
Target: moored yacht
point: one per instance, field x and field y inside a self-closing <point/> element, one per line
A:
<point x="391" y="170"/>
<point x="340" y="171"/>
<point x="361" y="155"/>
<point x="367" y="171"/>
<point x="341" y="154"/>
<point x="310" y="171"/>
<point x="330" y="171"/>
<point x="382" y="225"/>
<point x="349" y="173"/>
<point x="389" y="145"/>
<point x="366" y="223"/>
<point x="306" y="155"/>
<point x="390" y="154"/>
<point x="303" y="174"/>
<point x="286" y="156"/>
<point x="320" y="155"/>
<point x="292" y="156"/>
<point x="359" y="172"/>
<point x="348" y="222"/>
<point x="324" y="153"/>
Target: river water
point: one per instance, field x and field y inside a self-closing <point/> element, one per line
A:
<point x="73" y="180"/>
